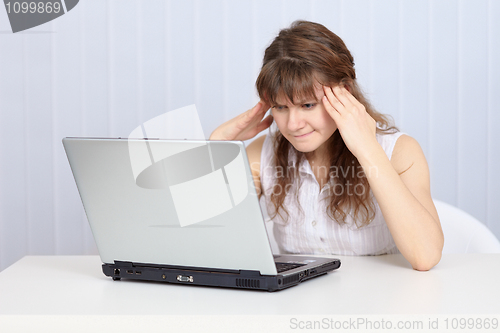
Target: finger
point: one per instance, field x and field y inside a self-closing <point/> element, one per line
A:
<point x="255" y="115"/>
<point x="265" y="106"/>
<point x="341" y="94"/>
<point x="333" y="100"/>
<point x="255" y="110"/>
<point x="265" y="123"/>
<point x="252" y="116"/>
<point x="331" y="110"/>
<point x="262" y="107"/>
<point x="250" y="120"/>
<point x="350" y="96"/>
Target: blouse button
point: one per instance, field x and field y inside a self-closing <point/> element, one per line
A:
<point x="313" y="223"/>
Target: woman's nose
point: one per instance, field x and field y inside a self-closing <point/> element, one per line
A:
<point x="295" y="121"/>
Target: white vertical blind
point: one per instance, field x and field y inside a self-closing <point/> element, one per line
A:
<point x="107" y="66"/>
<point x="472" y="106"/>
<point x="493" y="181"/>
<point x="413" y="76"/>
<point x="442" y="154"/>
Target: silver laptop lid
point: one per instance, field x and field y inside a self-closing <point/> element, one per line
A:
<point x="172" y="202"/>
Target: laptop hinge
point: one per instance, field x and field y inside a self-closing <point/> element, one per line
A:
<point x="189" y="268"/>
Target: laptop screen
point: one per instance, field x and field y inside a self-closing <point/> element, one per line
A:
<point x="173" y="202"/>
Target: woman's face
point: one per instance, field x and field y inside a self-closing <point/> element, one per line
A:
<point x="306" y="125"/>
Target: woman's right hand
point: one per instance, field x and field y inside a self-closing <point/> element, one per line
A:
<point x="245" y="126"/>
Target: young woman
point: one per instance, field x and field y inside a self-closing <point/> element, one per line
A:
<point x="336" y="177"/>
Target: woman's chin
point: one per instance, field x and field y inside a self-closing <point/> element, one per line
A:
<point x="304" y="148"/>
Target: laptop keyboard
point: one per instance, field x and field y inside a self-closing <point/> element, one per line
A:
<point x="282" y="266"/>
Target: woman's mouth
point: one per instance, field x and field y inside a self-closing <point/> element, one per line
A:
<point x="303" y="135"/>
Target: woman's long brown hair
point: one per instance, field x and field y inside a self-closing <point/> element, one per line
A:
<point x="300" y="57"/>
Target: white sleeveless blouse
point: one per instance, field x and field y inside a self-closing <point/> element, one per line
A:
<point x="311" y="230"/>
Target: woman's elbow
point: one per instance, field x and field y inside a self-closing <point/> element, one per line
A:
<point x="429" y="257"/>
<point x="427" y="262"/>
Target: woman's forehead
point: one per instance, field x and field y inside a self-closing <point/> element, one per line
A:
<point x="301" y="97"/>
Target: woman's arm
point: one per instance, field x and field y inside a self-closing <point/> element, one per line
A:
<point x="254" y="150"/>
<point x="402" y="189"/>
<point x="244" y="126"/>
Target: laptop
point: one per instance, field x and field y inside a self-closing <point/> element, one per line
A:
<point x="182" y="212"/>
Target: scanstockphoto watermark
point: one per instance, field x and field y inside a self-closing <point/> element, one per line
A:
<point x="349" y="188"/>
<point x="27" y="14"/>
<point x="360" y="323"/>
<point x="400" y="323"/>
<point x="332" y="189"/>
<point x="333" y="171"/>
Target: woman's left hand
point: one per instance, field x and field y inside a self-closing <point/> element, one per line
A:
<point x="355" y="125"/>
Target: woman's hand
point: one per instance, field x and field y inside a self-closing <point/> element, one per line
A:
<point x="355" y="125"/>
<point x="245" y="126"/>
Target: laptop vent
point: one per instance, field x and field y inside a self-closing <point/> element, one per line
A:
<point x="248" y="283"/>
<point x="291" y="279"/>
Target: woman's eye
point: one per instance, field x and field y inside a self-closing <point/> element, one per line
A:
<point x="309" y="105"/>
<point x="279" y="107"/>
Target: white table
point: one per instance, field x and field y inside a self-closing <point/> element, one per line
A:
<point x="74" y="291"/>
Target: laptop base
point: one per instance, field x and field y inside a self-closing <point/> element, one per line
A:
<point x="240" y="279"/>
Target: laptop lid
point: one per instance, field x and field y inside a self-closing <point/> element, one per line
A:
<point x="171" y="202"/>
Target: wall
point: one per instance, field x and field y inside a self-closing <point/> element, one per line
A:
<point x="107" y="66"/>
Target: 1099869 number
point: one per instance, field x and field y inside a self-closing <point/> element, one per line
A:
<point x="471" y="323"/>
<point x="33" y="7"/>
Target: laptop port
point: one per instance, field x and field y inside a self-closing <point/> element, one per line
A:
<point x="312" y="271"/>
<point x="183" y="278"/>
<point x="130" y="271"/>
<point x="138" y="272"/>
<point x="117" y="271"/>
